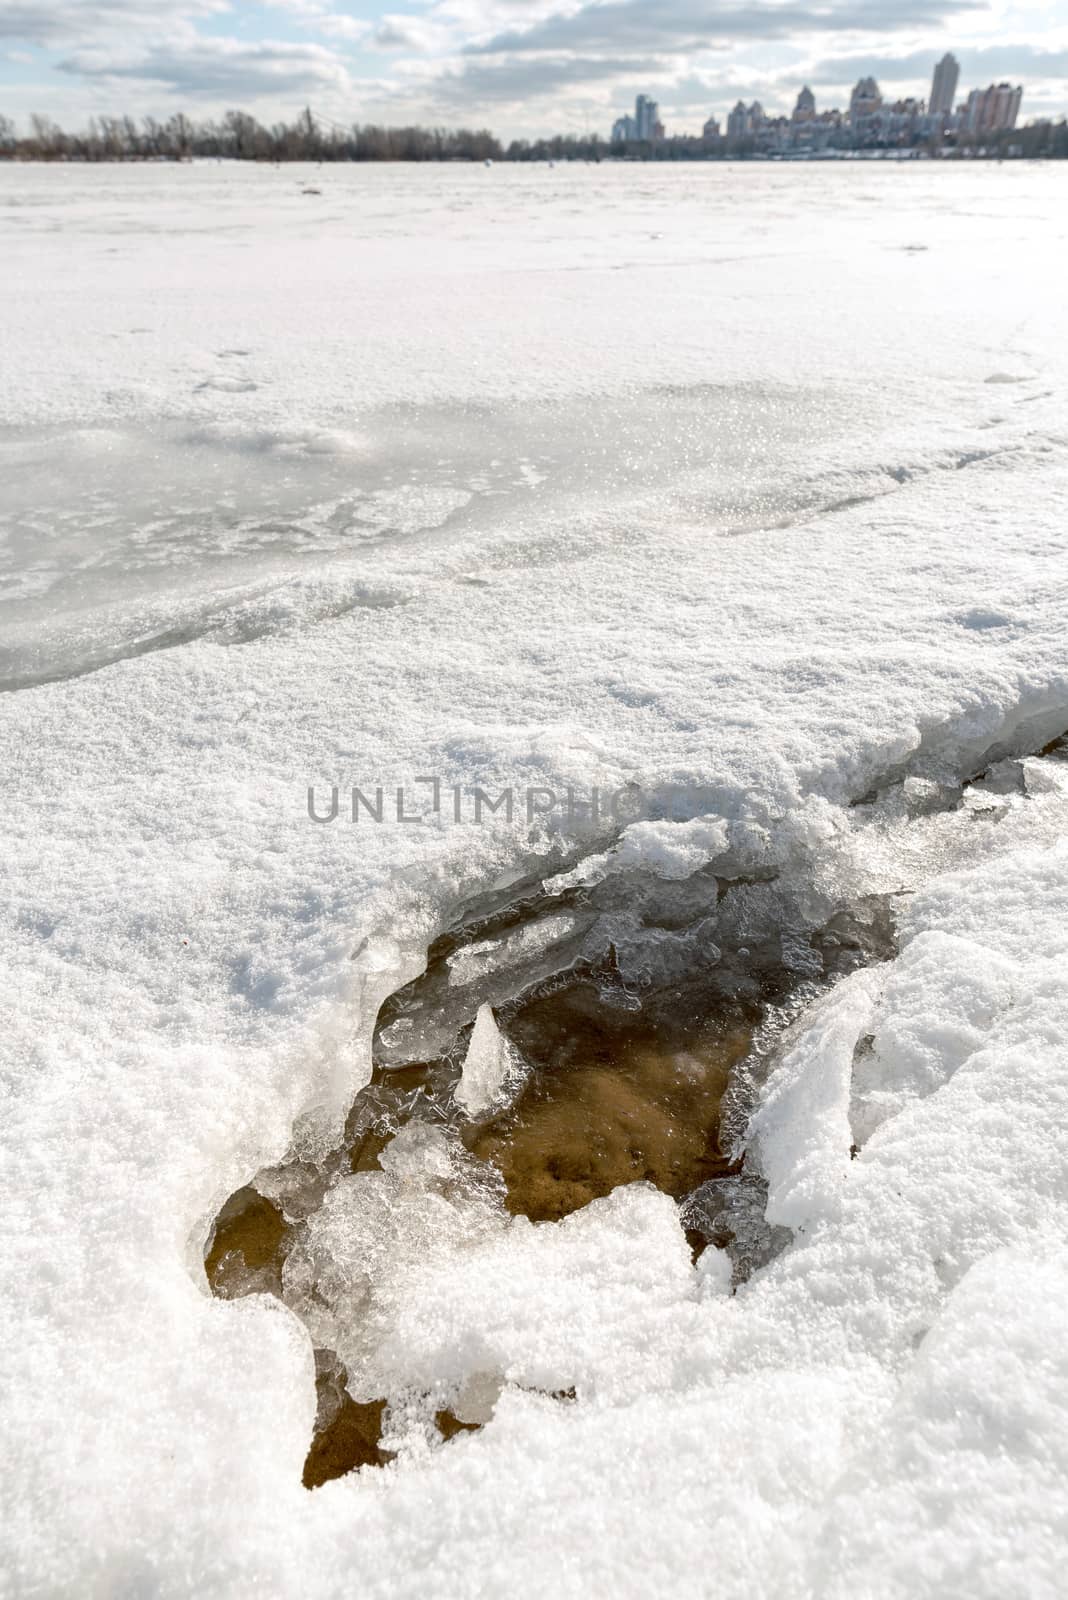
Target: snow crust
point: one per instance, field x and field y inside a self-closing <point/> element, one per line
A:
<point x="551" y="478"/>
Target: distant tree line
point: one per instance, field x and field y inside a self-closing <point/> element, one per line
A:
<point x="241" y="137"/>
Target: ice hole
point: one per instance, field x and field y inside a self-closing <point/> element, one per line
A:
<point x="556" y="1047"/>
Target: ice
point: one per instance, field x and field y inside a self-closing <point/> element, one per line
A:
<point x="731" y="1213"/>
<point x="497" y="494"/>
<point x="666" y="849"/>
<point x="491" y="1067"/>
<point x="597" y="1275"/>
<point x="649" y="958"/>
<point x="350" y="1271"/>
<point x="800" y="1133"/>
<point x="424" y="1024"/>
<point x="472" y="963"/>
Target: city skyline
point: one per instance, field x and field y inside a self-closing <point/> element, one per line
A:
<point x="522" y="67"/>
<point x="871" y="118"/>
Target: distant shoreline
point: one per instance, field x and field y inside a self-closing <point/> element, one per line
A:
<point x="830" y="158"/>
<point x="239" y="137"/>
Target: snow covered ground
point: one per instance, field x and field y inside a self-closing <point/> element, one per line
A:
<point x="745" y="480"/>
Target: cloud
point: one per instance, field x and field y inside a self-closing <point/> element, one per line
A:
<point x="319" y="16"/>
<point x="683" y="26"/>
<point x="658" y="45"/>
<point x="52" y="22"/>
<point x="213" y="68"/>
<point x="404" y="32"/>
<point x="338" y="27"/>
<point x="988" y="61"/>
<point x="522" y="65"/>
<point x="532" y="77"/>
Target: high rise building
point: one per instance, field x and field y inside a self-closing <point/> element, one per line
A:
<point x="738" y="122"/>
<point x="805" y="109"/>
<point x="710" y="129"/>
<point x="745" y="120"/>
<point x="993" y="109"/>
<point x="646" y="117"/>
<point x="865" y="100"/>
<point x="944" y="85"/>
<point x="644" y="125"/>
<point x="1007" y="105"/>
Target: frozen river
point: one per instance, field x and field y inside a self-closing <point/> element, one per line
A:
<point x="739" y="482"/>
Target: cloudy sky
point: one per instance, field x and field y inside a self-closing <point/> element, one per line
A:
<point x="521" y="67"/>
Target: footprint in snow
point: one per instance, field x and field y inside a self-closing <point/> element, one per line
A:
<point x="979" y="619"/>
<point x="228" y="385"/>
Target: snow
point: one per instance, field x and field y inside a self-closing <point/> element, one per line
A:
<point x="688" y="480"/>
<point x="801" y="1131"/>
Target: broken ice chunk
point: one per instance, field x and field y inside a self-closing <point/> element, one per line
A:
<point x="491" y="1067"/>
<point x="1004" y="777"/>
<point x="926" y="796"/>
<point x="420" y="1023"/>
<point x="479" y="1393"/>
<point x="514" y="949"/>
<point x="419" y="1154"/>
<point x="651" y="957"/>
